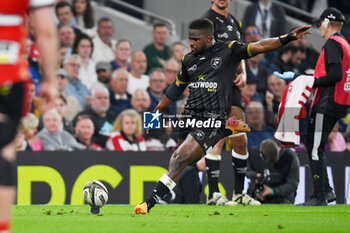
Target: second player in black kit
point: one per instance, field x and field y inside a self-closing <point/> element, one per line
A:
<point x="228" y="28"/>
<point x="225" y="29"/>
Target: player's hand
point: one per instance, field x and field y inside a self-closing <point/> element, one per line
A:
<point x="48" y="93"/>
<point x="240" y="80"/>
<point x="288" y="75"/>
<point x="302" y="31"/>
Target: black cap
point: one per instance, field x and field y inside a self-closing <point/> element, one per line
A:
<point x="332" y="14"/>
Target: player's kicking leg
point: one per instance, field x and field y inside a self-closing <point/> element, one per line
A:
<point x="187" y="153"/>
<point x="190" y="151"/>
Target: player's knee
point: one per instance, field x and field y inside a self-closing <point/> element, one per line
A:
<point x="181" y="158"/>
<point x="8" y="174"/>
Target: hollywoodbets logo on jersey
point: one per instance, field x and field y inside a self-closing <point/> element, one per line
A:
<point x="151" y="120"/>
<point x="201" y="83"/>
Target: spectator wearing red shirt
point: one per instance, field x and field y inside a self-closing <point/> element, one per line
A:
<point x="127" y="132"/>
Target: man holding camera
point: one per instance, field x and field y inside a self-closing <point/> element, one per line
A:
<point x="274" y="173"/>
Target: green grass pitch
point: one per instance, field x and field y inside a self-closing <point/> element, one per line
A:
<point x="182" y="218"/>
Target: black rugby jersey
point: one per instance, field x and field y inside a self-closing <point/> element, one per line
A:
<point x="210" y="76"/>
<point x="224" y="29"/>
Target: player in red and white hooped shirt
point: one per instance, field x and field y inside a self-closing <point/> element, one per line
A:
<point x="13" y="77"/>
<point x="126" y="135"/>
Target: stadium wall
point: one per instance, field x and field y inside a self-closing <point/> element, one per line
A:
<point x="59" y="177"/>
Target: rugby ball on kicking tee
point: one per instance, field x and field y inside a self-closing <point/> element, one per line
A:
<point x="95" y="193"/>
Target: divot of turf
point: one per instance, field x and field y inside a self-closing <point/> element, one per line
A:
<point x="48" y="212"/>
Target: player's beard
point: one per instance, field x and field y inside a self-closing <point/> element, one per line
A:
<point x="195" y="52"/>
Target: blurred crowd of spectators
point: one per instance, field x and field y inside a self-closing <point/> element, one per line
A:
<point x="105" y="86"/>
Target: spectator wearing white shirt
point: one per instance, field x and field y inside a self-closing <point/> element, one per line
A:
<point x="83" y="46"/>
<point x="137" y="78"/>
<point x="84" y="16"/>
<point x="104" y="44"/>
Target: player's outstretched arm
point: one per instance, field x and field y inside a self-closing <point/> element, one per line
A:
<point x="270" y="44"/>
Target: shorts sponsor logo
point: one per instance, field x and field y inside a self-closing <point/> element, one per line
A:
<point x="205" y="146"/>
<point x="213" y="133"/>
<point x="199" y="134"/>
